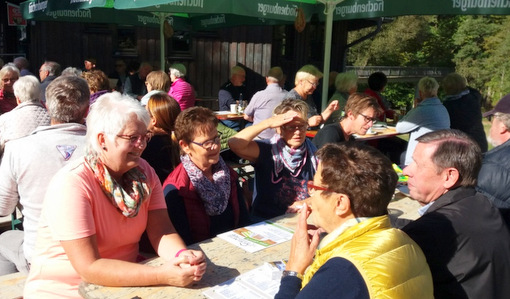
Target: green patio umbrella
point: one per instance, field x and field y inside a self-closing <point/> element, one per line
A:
<point x="261" y="10"/>
<point x="361" y="9"/>
<point x="99" y="11"/>
<point x="210" y="14"/>
<point x="32" y="11"/>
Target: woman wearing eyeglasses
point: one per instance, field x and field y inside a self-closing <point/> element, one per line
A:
<point x="361" y="111"/>
<point x="284" y="164"/>
<point x="202" y="193"/>
<point x="8" y="75"/>
<point x="97" y="208"/>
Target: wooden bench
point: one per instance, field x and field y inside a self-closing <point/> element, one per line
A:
<point x="11" y="285"/>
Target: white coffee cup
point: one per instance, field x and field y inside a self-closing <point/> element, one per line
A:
<point x="233" y="108"/>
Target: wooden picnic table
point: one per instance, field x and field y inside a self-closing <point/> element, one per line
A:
<point x="225" y="261"/>
<point x="377" y="133"/>
<point x="223" y="115"/>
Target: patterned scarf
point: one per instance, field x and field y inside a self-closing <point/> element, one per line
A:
<point x="127" y="200"/>
<point x="291" y="158"/>
<point x="215" y="194"/>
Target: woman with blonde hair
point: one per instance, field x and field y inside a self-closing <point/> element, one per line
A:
<point x="162" y="152"/>
<point x="156" y="81"/>
<point x="8" y="75"/>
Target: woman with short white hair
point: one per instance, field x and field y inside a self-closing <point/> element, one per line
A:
<point x="181" y="90"/>
<point x="98" y="207"/>
<point x="306" y="81"/>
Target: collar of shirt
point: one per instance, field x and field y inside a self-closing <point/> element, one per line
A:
<point x="424" y="209"/>
<point x="339" y="230"/>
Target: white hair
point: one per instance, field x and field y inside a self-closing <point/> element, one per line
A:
<point x="178" y="70"/>
<point x="109" y="115"/>
<point x="27" y="89"/>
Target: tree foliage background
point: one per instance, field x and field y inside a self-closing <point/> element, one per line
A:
<point x="477" y="47"/>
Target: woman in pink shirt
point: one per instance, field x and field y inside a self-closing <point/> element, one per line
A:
<point x="181" y="90"/>
<point x="97" y="208"/>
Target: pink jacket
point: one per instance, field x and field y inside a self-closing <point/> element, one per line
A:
<point x="183" y="93"/>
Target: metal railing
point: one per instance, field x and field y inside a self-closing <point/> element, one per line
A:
<point x="400" y="74"/>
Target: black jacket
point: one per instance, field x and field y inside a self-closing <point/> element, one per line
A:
<point x="466" y="115"/>
<point x="494" y="176"/>
<point x="467" y="246"/>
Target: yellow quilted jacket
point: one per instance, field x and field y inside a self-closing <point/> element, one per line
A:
<point x="391" y="263"/>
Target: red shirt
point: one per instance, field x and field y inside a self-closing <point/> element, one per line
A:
<point x="7" y="101"/>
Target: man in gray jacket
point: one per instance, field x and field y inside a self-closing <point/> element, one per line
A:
<point x="28" y="115"/>
<point x="30" y="162"/>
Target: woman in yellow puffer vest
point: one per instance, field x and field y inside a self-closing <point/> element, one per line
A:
<point x="361" y="256"/>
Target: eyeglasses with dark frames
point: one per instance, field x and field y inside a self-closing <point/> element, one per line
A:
<point x="312" y="83"/>
<point x="208" y="144"/>
<point x="137" y="138"/>
<point x="368" y="119"/>
<point x="493" y="116"/>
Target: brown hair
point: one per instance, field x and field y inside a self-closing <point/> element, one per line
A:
<point x="358" y="102"/>
<point x="192" y="121"/>
<point x="361" y="172"/>
<point x="159" y="80"/>
<point x="165" y="110"/>
<point x="97" y="80"/>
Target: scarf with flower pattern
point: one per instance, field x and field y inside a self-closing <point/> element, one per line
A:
<point x="128" y="195"/>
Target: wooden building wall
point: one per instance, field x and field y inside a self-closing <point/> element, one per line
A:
<point x="209" y="59"/>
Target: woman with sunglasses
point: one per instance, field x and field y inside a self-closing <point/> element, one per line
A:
<point x="284" y="164"/>
<point x="8" y="75"/>
<point x="361" y="111"/>
<point x="202" y="193"/>
<point x="97" y="208"/>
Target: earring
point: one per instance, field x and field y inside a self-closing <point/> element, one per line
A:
<point x="104" y="147"/>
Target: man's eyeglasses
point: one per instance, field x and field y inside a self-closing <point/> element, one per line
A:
<point x="312" y="188"/>
<point x="289" y="128"/>
<point x="314" y="84"/>
<point x="135" y="140"/>
<point x="208" y="145"/>
<point x="368" y="119"/>
<point x="493" y="116"/>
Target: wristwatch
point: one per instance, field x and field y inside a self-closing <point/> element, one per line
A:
<point x="292" y="273"/>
